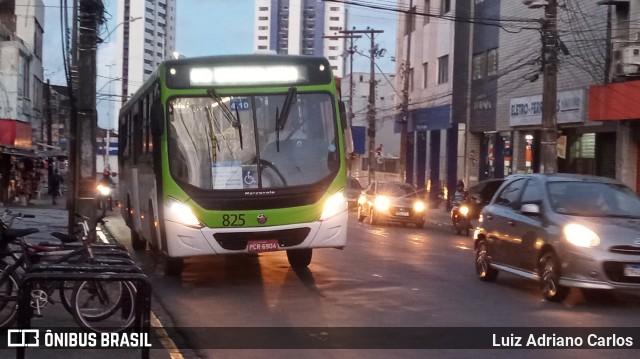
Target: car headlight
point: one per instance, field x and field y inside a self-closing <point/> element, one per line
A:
<point x="464" y="210"/>
<point x="580" y="236"/>
<point x="179" y="212"/>
<point x="418" y="206"/>
<point x="382" y="203"/>
<point x="362" y="199"/>
<point x="336" y="203"/>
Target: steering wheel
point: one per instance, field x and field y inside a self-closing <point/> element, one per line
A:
<point x="264" y="163"/>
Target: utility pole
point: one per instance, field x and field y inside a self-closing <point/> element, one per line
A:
<point x="49" y="114"/>
<point x="548" y="148"/>
<point x="409" y="25"/>
<point x="90" y="17"/>
<point x="549" y="158"/>
<point x="371" y="113"/>
<point x="351" y="52"/>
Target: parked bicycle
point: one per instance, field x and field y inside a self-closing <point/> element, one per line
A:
<point x="90" y="302"/>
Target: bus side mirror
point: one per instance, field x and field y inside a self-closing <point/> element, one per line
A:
<point x="157" y="119"/>
<point x="348" y="136"/>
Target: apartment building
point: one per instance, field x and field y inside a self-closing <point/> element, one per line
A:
<point x="301" y="27"/>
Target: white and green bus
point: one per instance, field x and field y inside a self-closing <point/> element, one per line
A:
<point x="235" y="154"/>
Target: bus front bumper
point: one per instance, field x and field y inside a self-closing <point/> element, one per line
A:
<point x="185" y="241"/>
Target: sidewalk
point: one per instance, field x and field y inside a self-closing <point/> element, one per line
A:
<point x="51" y="218"/>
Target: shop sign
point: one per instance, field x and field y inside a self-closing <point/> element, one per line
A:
<point x="528" y="110"/>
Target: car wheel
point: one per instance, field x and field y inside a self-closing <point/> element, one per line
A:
<point x="360" y="214"/>
<point x="550" y="278"/>
<point x="372" y="217"/>
<point x="483" y="264"/>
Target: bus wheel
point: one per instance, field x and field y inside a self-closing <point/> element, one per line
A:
<point x="299" y="258"/>
<point x="138" y="244"/>
<point x="173" y="266"/>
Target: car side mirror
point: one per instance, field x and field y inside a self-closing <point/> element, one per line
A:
<point x="530" y="208"/>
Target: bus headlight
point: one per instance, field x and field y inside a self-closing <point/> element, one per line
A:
<point x="418" y="206"/>
<point x="336" y="203"/>
<point x="580" y="236"/>
<point x="181" y="213"/>
<point x="382" y="203"/>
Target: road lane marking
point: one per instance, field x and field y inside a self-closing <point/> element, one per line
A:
<point x="164" y="338"/>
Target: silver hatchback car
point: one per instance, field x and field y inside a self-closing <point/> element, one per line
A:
<point x="564" y="230"/>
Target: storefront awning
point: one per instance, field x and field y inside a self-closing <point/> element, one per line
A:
<point x="15" y="133"/>
<point x="617" y="101"/>
<point x="428" y="119"/>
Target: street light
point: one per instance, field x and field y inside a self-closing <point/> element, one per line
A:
<point x="131" y="19"/>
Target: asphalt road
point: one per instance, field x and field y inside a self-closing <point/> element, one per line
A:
<point x="386" y="277"/>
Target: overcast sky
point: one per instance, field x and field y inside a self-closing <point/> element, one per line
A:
<point x="204" y="27"/>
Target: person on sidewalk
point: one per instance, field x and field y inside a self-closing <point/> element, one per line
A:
<point x="56" y="181"/>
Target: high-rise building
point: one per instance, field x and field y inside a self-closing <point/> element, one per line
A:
<point x="147" y="35"/>
<point x="301" y="27"/>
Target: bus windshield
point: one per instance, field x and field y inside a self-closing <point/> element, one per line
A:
<point x="233" y="142"/>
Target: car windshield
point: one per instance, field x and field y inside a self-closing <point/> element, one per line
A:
<point x="593" y="199"/>
<point x="232" y="142"/>
<point x="396" y="190"/>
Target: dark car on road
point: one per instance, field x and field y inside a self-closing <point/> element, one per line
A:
<point x="563" y="230"/>
<point x="392" y="202"/>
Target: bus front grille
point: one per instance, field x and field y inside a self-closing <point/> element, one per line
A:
<point x="238" y="241"/>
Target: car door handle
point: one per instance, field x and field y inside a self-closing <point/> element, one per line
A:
<point x="512" y="223"/>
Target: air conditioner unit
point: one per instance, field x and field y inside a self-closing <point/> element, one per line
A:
<point x="630" y="60"/>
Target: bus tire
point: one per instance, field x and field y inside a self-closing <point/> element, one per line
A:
<point x="137" y="243"/>
<point x="299" y="258"/>
<point x="173" y="266"/>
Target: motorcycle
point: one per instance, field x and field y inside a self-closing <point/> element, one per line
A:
<point x="105" y="200"/>
<point x="460" y="218"/>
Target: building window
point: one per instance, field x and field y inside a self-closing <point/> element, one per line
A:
<point x="263" y="27"/>
<point x="333" y="47"/>
<point x="262" y="47"/>
<point x="443" y="69"/>
<point x="334" y="8"/>
<point x="333" y="57"/>
<point x="411" y="79"/>
<point x="335" y="28"/>
<point x="425" y="75"/>
<point x="492" y="62"/>
<point x="264" y="8"/>
<point x="410" y="21"/>
<point x="427" y="10"/>
<point x="478" y="68"/>
<point x="150" y="52"/>
<point x="263" y="37"/>
<point x="334" y="18"/>
<point x="263" y="18"/>
<point x="445" y="6"/>
<point x="149" y="31"/>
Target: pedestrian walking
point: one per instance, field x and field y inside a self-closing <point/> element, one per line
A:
<point x="56" y="181"/>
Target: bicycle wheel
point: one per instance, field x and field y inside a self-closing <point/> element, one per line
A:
<point x="8" y="299"/>
<point x="65" y="291"/>
<point x="104" y="306"/>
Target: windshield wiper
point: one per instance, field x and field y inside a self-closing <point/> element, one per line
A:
<point x="233" y="120"/>
<point x="281" y="118"/>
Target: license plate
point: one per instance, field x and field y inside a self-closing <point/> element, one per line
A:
<point x="402" y="213"/>
<point x="632" y="270"/>
<point x="266" y="245"/>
